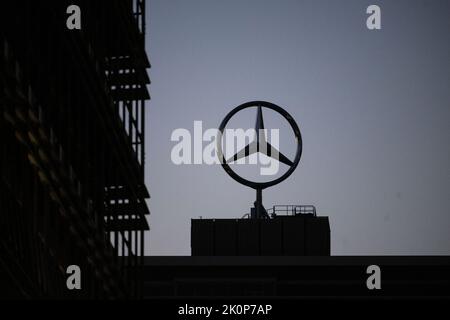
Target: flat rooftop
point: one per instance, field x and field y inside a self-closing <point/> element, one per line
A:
<point x="294" y="277"/>
<point x="296" y="260"/>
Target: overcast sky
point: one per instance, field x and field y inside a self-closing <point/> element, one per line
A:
<point x="373" y="108"/>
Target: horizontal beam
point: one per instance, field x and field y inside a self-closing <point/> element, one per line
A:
<point x="132" y="78"/>
<point x="125" y="63"/>
<point x="127" y="225"/>
<point x="121" y="193"/>
<point x="127" y="209"/>
<point x="130" y="94"/>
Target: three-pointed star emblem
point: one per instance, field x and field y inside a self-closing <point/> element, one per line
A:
<point x="260" y="144"/>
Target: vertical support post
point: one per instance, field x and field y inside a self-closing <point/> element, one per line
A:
<point x="142" y="253"/>
<point x="143" y="138"/>
<point x="258" y="204"/>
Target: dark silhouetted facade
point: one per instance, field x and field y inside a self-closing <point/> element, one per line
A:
<point x="288" y="231"/>
<point x="72" y="156"/>
<point x="282" y="277"/>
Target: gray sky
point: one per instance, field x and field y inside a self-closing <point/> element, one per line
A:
<point x="373" y="108"/>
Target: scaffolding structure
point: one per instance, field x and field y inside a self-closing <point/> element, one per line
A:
<point x="72" y="147"/>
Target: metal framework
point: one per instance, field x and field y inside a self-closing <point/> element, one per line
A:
<point x="292" y="210"/>
<point x="72" y="146"/>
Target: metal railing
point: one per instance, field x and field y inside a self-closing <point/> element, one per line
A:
<point x="292" y="210"/>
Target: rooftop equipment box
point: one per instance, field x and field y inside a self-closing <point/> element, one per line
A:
<point x="299" y="235"/>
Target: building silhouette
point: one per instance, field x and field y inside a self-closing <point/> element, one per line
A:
<point x="288" y="230"/>
<point x="72" y="148"/>
<point x="294" y="278"/>
<point x="284" y="257"/>
<point x="72" y="191"/>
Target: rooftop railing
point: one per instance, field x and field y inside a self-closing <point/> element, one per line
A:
<point x="292" y="210"/>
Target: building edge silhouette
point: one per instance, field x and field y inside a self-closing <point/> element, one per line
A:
<point x="72" y="148"/>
